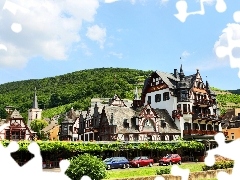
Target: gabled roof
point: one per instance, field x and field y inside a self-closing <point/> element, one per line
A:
<point x="52" y="125"/>
<point x="117" y="101"/>
<point x="168" y="78"/>
<point x="16" y="115"/>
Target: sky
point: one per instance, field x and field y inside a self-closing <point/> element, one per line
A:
<point x="46" y="38"/>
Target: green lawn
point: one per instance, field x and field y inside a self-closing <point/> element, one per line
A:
<point x="148" y="171"/>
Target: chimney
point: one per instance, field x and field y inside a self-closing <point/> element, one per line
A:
<point x="175" y="73"/>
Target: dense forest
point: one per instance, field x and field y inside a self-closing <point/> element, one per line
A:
<point x="58" y="94"/>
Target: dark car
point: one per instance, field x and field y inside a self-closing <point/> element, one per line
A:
<point x="141" y="161"/>
<point x="116" y="162"/>
<point x="170" y="159"/>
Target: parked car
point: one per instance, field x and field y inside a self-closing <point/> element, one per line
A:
<point x="170" y="159"/>
<point x="141" y="161"/>
<point x="116" y="162"/>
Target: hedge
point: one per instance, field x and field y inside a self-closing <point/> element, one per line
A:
<point x="219" y="165"/>
<point x="53" y="146"/>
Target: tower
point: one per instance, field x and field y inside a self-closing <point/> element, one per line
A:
<point x="34" y="112"/>
<point x="136" y="94"/>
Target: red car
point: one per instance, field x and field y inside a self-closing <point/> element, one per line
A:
<point x="170" y="159"/>
<point x="141" y="161"/>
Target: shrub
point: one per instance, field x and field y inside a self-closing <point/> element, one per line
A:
<point x="219" y="165"/>
<point x="86" y="164"/>
<point x="163" y="171"/>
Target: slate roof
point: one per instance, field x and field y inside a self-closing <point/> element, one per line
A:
<point x="121" y="113"/>
<point x="168" y="78"/>
<point x="50" y="126"/>
<point x="15" y="114"/>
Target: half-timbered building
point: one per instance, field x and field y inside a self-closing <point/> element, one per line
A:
<point x="187" y="99"/>
<point x="117" y="121"/>
<point x="16" y="129"/>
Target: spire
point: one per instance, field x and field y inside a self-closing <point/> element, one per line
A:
<point x="207" y="85"/>
<point x="181" y="73"/>
<point x="181" y="70"/>
<point x="35" y="102"/>
<point x="136" y="94"/>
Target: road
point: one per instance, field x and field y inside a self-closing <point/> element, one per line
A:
<point x="58" y="169"/>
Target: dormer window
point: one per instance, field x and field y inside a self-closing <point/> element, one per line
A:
<point x="125" y="123"/>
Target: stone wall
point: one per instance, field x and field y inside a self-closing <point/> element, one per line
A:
<point x="201" y="175"/>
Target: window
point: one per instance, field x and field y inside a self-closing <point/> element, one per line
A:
<point x="202" y="126"/>
<point x="157" y="97"/>
<point x="149" y="99"/>
<point x="15" y="135"/>
<point x="135" y="137"/>
<point x="125" y="123"/>
<point x="170" y="137"/>
<point x="232" y="135"/>
<point x="179" y="107"/>
<point x="166" y="96"/>
<point x="36" y="116"/>
<point x="185" y="108"/>
<point x="126" y="137"/>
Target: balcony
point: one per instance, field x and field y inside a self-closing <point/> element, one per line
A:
<point x="203" y="116"/>
<point x="201" y="132"/>
<point x="187" y="115"/>
<point x="176" y="113"/>
<point x="202" y="102"/>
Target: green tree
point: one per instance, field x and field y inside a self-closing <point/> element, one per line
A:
<point x="3" y="113"/>
<point x="86" y="164"/>
<point x="37" y="125"/>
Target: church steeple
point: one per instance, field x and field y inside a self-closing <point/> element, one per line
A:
<point x="136" y="94"/>
<point x="34" y="112"/>
<point x="35" y="102"/>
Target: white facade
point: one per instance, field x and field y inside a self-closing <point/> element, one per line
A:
<point x="5" y="127"/>
<point x="169" y="105"/>
<point x="34" y="114"/>
<point x="144" y="137"/>
<point x="191" y="103"/>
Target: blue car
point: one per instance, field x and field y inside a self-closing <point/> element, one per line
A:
<point x="116" y="162"/>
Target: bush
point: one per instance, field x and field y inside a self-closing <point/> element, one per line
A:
<point x="163" y="171"/>
<point x="219" y="165"/>
<point x="86" y="164"/>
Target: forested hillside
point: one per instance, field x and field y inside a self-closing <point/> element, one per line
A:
<point x="227" y="99"/>
<point x="72" y="89"/>
<point x="58" y="94"/>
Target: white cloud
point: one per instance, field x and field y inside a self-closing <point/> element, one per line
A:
<point x="163" y="1"/>
<point x="96" y="33"/>
<point x="49" y="29"/>
<point x="110" y="1"/>
<point x="85" y="49"/>
<point x="118" y="55"/>
<point x="133" y="1"/>
<point x="185" y="54"/>
<point x="205" y="64"/>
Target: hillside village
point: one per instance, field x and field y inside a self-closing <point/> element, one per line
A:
<point x="170" y="106"/>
